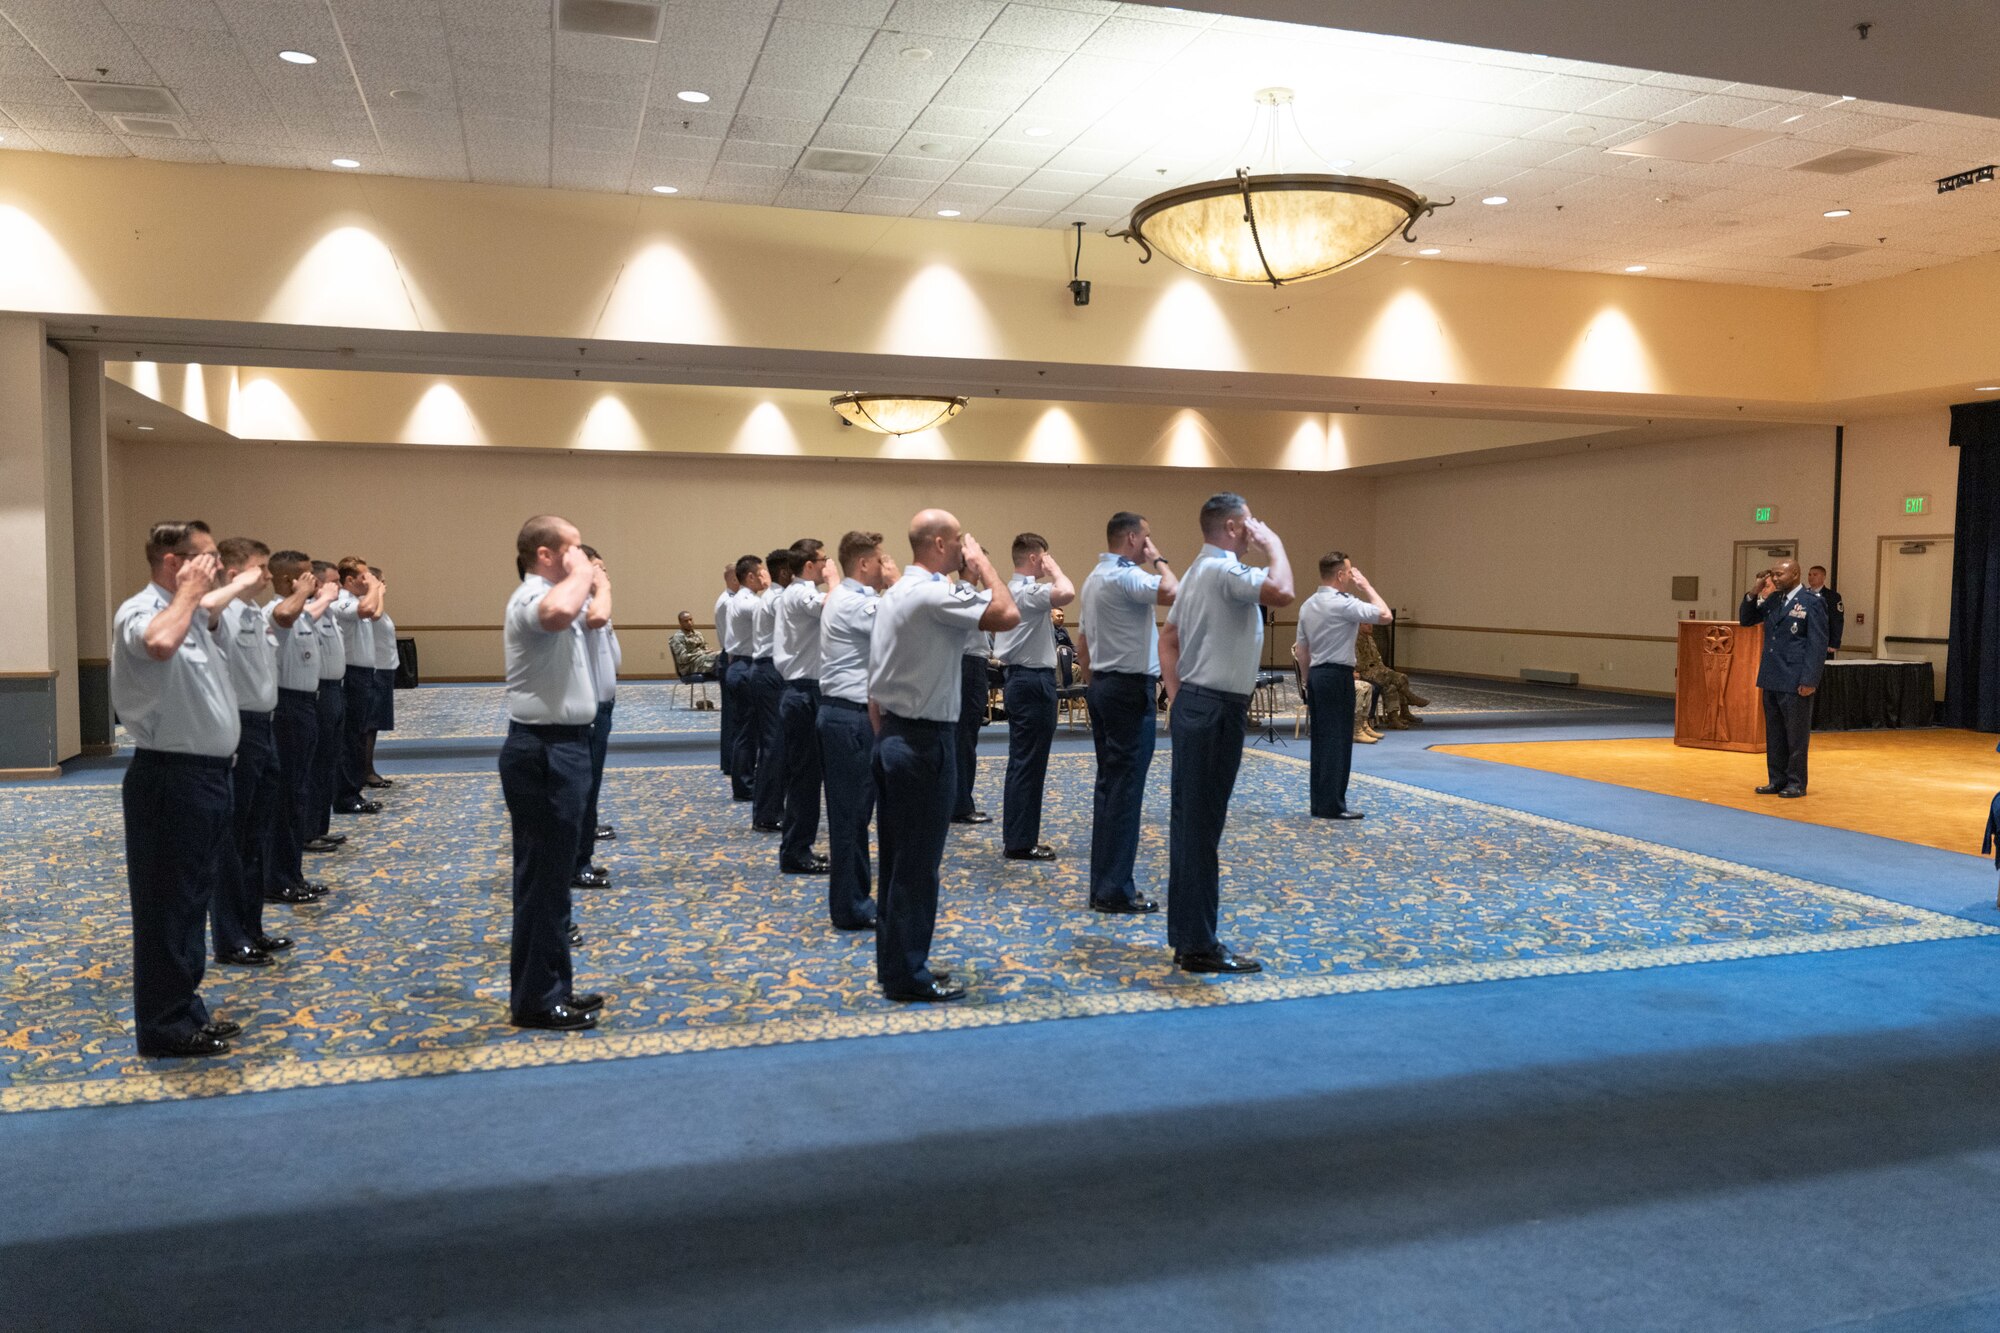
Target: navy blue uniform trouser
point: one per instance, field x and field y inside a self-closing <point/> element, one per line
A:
<point x="1030" y="693"/>
<point x="177" y="830"/>
<point x="798" y="716"/>
<point x="748" y="739"/>
<point x="915" y="776"/>
<point x="359" y="687"/>
<point x="600" y="746"/>
<point x="847" y="759"/>
<point x="545" y="776"/>
<point x="236" y="907"/>
<point x="384" y="717"/>
<point x="1124" y="724"/>
<point x="972" y="693"/>
<point x="727" y="749"/>
<point x="295" y="731"/>
<point x="332" y="707"/>
<point x="1332" y="707"/>
<point x="1787" y="730"/>
<point x="767" y="788"/>
<point x="1207" y="728"/>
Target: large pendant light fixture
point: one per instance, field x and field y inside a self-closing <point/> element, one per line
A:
<point x="1267" y="224"/>
<point x="896" y="413"/>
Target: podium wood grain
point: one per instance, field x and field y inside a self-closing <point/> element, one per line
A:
<point x="1716" y="706"/>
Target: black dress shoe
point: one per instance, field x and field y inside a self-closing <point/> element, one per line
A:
<point x="591" y="877"/>
<point x="575" y="936"/>
<point x="220" y="1028"/>
<point x="335" y="838"/>
<point x="188" y="1047"/>
<point x="869" y="924"/>
<point x="1343" y="814"/>
<point x="1792" y="793"/>
<point x="1039" y="852"/>
<point x="587" y="1003"/>
<point x="768" y="828"/>
<point x="246" y="956"/>
<point x="976" y="817"/>
<point x="931" y="992"/>
<point x="816" y="866"/>
<point x="562" y="1018"/>
<point x="358" y="808"/>
<point x="1217" y="960"/>
<point x="377" y="781"/>
<point x="1770" y="789"/>
<point x="605" y="833"/>
<point x="1123" y="907"/>
<point x="295" y="895"/>
<point x="321" y="845"/>
<point x="274" y="943"/>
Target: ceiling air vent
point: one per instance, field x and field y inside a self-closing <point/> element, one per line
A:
<point x="1830" y="252"/>
<point x="1693" y="143"/>
<point x="837" y="159"/>
<point x="127" y="99"/>
<point x="148" y="127"/>
<point x="1846" y="160"/>
<point x="632" y="20"/>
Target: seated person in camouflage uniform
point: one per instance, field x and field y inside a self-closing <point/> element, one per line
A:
<point x="692" y="659"/>
<point x="1393" y="686"/>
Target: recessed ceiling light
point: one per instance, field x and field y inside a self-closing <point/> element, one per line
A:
<point x="916" y="53"/>
<point x="1635" y="268"/>
<point x="1495" y="200"/>
<point x="1037" y="131"/>
<point x="1580" y="133"/>
<point x="689" y="95"/>
<point x="346" y="162"/>
<point x="1847" y="99"/>
<point x="297" y="58"/>
<point x="666" y="189"/>
<point x="1838" y="213"/>
<point x="1430" y="250"/>
<point x="142" y="428"/>
<point x="947" y="212"/>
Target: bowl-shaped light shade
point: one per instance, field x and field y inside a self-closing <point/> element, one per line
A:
<point x="897" y="414"/>
<point x="1288" y="229"/>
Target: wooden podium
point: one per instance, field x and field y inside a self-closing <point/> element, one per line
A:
<point x="1716" y="706"/>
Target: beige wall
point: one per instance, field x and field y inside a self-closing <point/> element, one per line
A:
<point x="1887" y="459"/>
<point x="441" y="522"/>
<point x="1586" y="545"/>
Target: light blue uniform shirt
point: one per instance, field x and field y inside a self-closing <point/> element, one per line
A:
<point x="357" y="636"/>
<point x="1222" y="631"/>
<point x="386" y="657"/>
<point x="736" y="623"/>
<point x="1115" y="617"/>
<point x="764" y="621"/>
<point x="846" y="625"/>
<point x="721" y="618"/>
<point x="920" y="633"/>
<point x="605" y="659"/>
<point x="184" y="705"/>
<point x="1032" y="643"/>
<point x="1329" y="622"/>
<point x="251" y="655"/>
<point x="298" y="654"/>
<point x="795" y="635"/>
<point x="548" y="672"/>
<point x="332" y="647"/>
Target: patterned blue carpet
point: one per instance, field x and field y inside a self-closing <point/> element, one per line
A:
<point x="702" y="945"/>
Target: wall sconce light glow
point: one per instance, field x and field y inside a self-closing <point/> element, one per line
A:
<point x="1306" y="451"/>
<point x="766" y="430"/>
<point x="298" y="58"/>
<point x="37" y="273"/>
<point x="1635" y="268"/>
<point x="194" y="393"/>
<point x="349" y="279"/>
<point x="947" y="212"/>
<point x="442" y="416"/>
<point x="690" y="95"/>
<point x="146" y="379"/>
<point x="1611" y="357"/>
<point x="1494" y="200"/>
<point x="1407" y="341"/>
<point x="662" y="296"/>
<point x="1189" y="442"/>
<point x="1838" y="213"/>
<point x="260" y="410"/>
<point x="666" y="189"/>
<point x="1188" y="329"/>
<point x="1054" y="439"/>
<point x="938" y="314"/>
<point x="611" y="426"/>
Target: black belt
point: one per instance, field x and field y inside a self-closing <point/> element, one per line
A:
<point x="302" y="694"/>
<point x="803" y="683"/>
<point x="1047" y="671"/>
<point x="1123" y="675"/>
<point x="333" y="681"/>
<point x="253" y="714"/>
<point x="553" y="731"/>
<point x="760" y="661"/>
<point x="828" y="701"/>
<point x="174" y="759"/>
<point x="1203" y="692"/>
<point x="920" y="723"/>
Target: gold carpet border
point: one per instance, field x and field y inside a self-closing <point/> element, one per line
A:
<point x="145" y="1085"/>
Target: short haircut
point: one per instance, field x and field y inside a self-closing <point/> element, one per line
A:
<point x="856" y="545"/>
<point x="808" y="549"/>
<point x="323" y="567"/>
<point x="1331" y="561"/>
<point x="1220" y="508"/>
<point x="746" y="565"/>
<point x="539" y="531"/>
<point x="376" y="570"/>
<point x="1820" y="568"/>
<point x="352" y="566"/>
<point x="1122" y="524"/>
<point x="173" y="537"/>
<point x="290" y="564"/>
<point x="1027" y="544"/>
<point x="784" y="559"/>
<point x="236" y="552"/>
<point x="589" y="553"/>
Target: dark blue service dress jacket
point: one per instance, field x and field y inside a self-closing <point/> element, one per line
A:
<point x="1795" y="637"/>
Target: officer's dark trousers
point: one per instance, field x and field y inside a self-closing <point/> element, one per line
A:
<point x="332" y="707"/>
<point x="1332" y="736"/>
<point x="748" y="739"/>
<point x="798" y="718"/>
<point x="384" y="716"/>
<point x="295" y="730"/>
<point x="767" y="789"/>
<point x="847" y="759"/>
<point x="545" y="776"/>
<point x="1207" y="728"/>
<point x="972" y="692"/>
<point x="359" y="687"/>
<point x="177" y="829"/>
<point x="914" y="781"/>
<point x="728" y="746"/>
<point x="236" y="907"/>
<point x="1787" y="729"/>
<point x="1124" y="723"/>
<point x="600" y="746"/>
<point x="1030" y="693"/>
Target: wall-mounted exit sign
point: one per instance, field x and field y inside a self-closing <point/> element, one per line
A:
<point x="1766" y="513"/>
<point x="1916" y="504"/>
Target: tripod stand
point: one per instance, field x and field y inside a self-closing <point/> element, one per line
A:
<point x="1265" y="669"/>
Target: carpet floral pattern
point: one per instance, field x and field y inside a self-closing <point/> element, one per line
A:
<point x="702" y="945"/>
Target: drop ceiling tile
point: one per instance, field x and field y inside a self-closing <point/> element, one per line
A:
<point x="506" y="104"/>
<point x="941" y="147"/>
<point x="1641" y="102"/>
<point x="1029" y="154"/>
<point x="622" y="116"/>
<point x="1042" y="201"/>
<point x="67" y="118"/>
<point x="987" y="173"/>
<point x="604" y="55"/>
<point x="1521" y="153"/>
<point x="1717" y="110"/>
<point x="899" y="166"/>
<point x="1020" y="64"/>
<point x="862" y="13"/>
<point x="1004" y="216"/>
<point x="1043" y="29"/>
<point x="997" y="97"/>
<point x="1683" y="82"/>
<point x="1570" y="129"/>
<point x="1135" y="39"/>
<point x="1566" y="92"/>
<point x="965" y="198"/>
<point x="480" y="13"/>
<point x="874" y="113"/>
<point x="680" y="118"/>
<point x="83" y="145"/>
<point x="678" y="150"/>
<point x="592" y="140"/>
<point x="170" y="150"/>
<point x="749" y="174"/>
<point x="1848" y="128"/>
<point x="886" y="72"/>
<point x="785" y="104"/>
<point x="856" y="138"/>
<point x="1071" y="183"/>
<point x="259" y="155"/>
<point x="966" y="19"/>
<point x="799" y="194"/>
<point x="769" y="130"/>
<point x="760" y="154"/>
<point x="880" y="205"/>
<point x="1095" y="207"/>
<point x="897" y="187"/>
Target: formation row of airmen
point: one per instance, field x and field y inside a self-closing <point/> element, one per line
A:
<point x="844" y="674"/>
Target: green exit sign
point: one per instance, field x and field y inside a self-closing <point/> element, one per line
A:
<point x="1916" y="504"/>
<point x="1767" y="513"/>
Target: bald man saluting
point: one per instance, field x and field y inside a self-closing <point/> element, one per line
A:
<point x="913" y="702"/>
<point x="1795" y="638"/>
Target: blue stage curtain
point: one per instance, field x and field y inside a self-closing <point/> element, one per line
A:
<point x="1972" y="672"/>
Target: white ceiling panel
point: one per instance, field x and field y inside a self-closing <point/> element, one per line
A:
<point x="966" y="19"/>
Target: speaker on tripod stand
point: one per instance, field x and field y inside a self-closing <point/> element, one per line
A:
<point x="1266" y="669"/>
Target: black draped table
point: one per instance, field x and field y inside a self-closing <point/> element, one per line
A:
<point x="1855" y="695"/>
